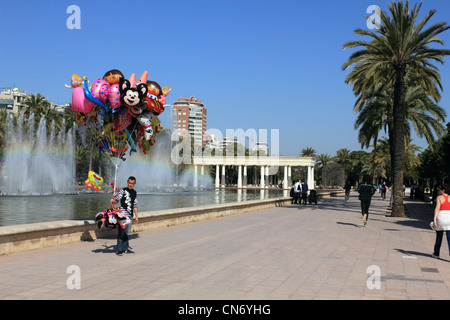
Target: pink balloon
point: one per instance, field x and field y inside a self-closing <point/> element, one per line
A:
<point x="100" y="90"/>
<point x="79" y="101"/>
<point x="114" y="96"/>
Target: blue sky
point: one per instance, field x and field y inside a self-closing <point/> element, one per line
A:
<point x="256" y="64"/>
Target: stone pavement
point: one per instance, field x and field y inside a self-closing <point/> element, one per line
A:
<point x="292" y="252"/>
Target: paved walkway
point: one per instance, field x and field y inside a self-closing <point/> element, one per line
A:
<point x="292" y="252"/>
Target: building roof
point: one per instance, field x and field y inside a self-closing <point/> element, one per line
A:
<point x="189" y="101"/>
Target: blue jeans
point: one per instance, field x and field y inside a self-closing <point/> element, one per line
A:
<point x="439" y="236"/>
<point x="122" y="237"/>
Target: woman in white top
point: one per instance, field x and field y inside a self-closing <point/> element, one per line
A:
<point x="441" y="221"/>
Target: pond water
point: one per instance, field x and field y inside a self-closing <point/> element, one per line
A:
<point x="30" y="209"/>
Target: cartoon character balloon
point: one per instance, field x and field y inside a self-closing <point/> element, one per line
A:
<point x="94" y="180"/>
<point x="75" y="81"/>
<point x="132" y="97"/>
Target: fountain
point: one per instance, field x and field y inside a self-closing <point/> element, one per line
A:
<point x="37" y="163"/>
<point x="155" y="172"/>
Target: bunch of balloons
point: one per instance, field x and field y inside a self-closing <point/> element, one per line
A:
<point x="112" y="217"/>
<point x="118" y="114"/>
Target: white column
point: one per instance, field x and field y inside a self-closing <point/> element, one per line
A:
<point x="289" y="176"/>
<point x="245" y="177"/>
<point x="311" y="178"/>
<point x="217" y="176"/>
<point x="202" y="175"/>
<point x="239" y="182"/>
<point x="195" y="176"/>
<point x="262" y="177"/>
<point x="223" y="176"/>
<point x="285" y="180"/>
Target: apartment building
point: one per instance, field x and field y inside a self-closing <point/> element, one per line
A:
<point x="189" y="118"/>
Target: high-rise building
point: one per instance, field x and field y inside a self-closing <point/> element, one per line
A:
<point x="189" y="118"/>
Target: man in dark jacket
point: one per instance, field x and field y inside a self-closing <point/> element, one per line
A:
<point x="127" y="198"/>
<point x="366" y="192"/>
<point x="304" y="192"/>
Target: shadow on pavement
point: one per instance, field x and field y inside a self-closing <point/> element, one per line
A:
<point x="112" y="248"/>
<point x="419" y="214"/>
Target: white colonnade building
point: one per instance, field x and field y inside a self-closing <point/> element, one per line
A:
<point x="269" y="165"/>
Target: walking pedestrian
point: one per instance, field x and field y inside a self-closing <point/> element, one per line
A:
<point x="347" y="188"/>
<point x="127" y="198"/>
<point x="383" y="191"/>
<point x="441" y="221"/>
<point x="366" y="191"/>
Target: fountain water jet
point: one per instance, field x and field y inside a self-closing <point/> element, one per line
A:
<point x="36" y="163"/>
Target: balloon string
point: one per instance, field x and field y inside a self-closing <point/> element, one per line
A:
<point x="115" y="180"/>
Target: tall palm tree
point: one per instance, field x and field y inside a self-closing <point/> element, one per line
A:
<point x="422" y="114"/>
<point x="398" y="46"/>
<point x="36" y="103"/>
<point x="358" y="159"/>
<point x="308" y="152"/>
<point x="39" y="105"/>
<point x="374" y="169"/>
<point x="322" y="160"/>
<point x="343" y="158"/>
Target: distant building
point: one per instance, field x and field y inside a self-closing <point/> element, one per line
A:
<point x="12" y="99"/>
<point x="213" y="143"/>
<point x="261" y="147"/>
<point x="189" y="118"/>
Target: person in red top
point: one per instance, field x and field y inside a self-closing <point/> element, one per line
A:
<point x="441" y="221"/>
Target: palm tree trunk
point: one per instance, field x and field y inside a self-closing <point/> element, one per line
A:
<point x="398" y="148"/>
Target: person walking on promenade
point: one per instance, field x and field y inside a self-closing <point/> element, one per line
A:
<point x="366" y="191"/>
<point x="441" y="221"/>
<point x="347" y="189"/>
<point x="383" y="191"/>
<point x="304" y="192"/>
<point x="127" y="197"/>
<point x="297" y="192"/>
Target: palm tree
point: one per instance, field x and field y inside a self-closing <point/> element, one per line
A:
<point x="422" y="114"/>
<point x="399" y="46"/>
<point x="343" y="158"/>
<point x="322" y="160"/>
<point x="36" y="103"/>
<point x="358" y="159"/>
<point x="40" y="106"/>
<point x="308" y="152"/>
<point x="374" y="170"/>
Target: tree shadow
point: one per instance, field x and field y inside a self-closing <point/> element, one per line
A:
<point x="418" y="213"/>
<point x="332" y="203"/>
